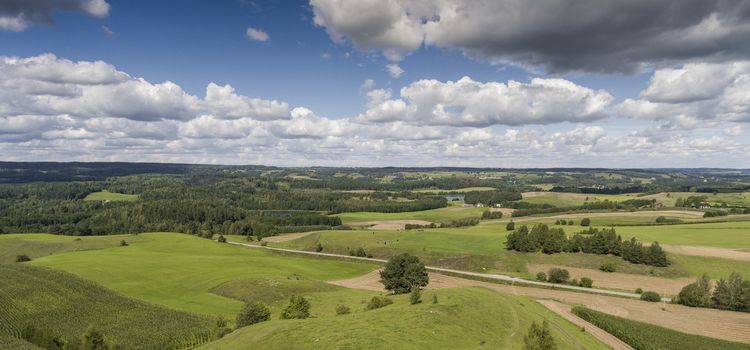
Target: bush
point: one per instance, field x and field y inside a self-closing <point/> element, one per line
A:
<point x="298" y="307"/>
<point x="402" y="273"/>
<point x="557" y="275"/>
<point x="696" y="293"/>
<point x="489" y="215"/>
<point x="263" y="243"/>
<point x="638" y="291"/>
<point x="539" y="337"/>
<point x="415" y="297"/>
<point x="570" y="223"/>
<point x="510" y="226"/>
<point x="541" y="276"/>
<point x="319" y="248"/>
<point x="22" y="258"/>
<point x="434" y="299"/>
<point x="586" y="282"/>
<point x="252" y="313"/>
<point x="123" y="243"/>
<point x="585" y="222"/>
<point x="222" y="239"/>
<point x="359" y="252"/>
<point x="342" y="310"/>
<point x="377" y="302"/>
<point x="650" y="296"/>
<point x="608" y="267"/>
<point x="93" y="340"/>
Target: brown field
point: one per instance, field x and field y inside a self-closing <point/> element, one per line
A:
<point x="728" y="325"/>
<point x="388" y="224"/>
<point x="724" y="253"/>
<point x="606" y="338"/>
<point x="622" y="281"/>
<point x="286" y="237"/>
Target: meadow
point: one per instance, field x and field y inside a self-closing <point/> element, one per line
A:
<point x="454" y="211"/>
<point x="105" y="195"/>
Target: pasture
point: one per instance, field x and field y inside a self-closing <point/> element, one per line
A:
<point x="105" y="195"/>
<point x="454" y="211"/>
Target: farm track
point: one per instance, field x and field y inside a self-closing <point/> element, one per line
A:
<point x="564" y="311"/>
<point x="728" y="325"/>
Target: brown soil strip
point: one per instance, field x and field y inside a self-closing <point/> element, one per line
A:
<point x="606" y="338"/>
<point x="728" y="325"/>
<point x="724" y="253"/>
<point x="287" y="237"/>
<point x="622" y="281"/>
<point x="388" y="224"/>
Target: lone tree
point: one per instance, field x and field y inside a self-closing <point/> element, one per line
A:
<point x="402" y="273"/>
<point x="585" y="222"/>
<point x="252" y="313"/>
<point x="539" y="338"/>
<point x="510" y="226"/>
<point x="22" y="258"/>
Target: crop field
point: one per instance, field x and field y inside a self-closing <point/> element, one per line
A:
<point x="453" y="212"/>
<point x="666" y="198"/>
<point x="66" y="305"/>
<point x="111" y="196"/>
<point x="179" y="271"/>
<point x="483" y="318"/>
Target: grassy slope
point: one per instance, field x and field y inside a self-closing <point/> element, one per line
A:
<point x="111" y="196"/>
<point x="467" y="318"/>
<point x="66" y="305"/>
<point x="179" y="270"/>
<point x="39" y="245"/>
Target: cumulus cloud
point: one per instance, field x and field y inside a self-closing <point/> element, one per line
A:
<point x="17" y="15"/>
<point x="694" y="95"/>
<point x="467" y="102"/>
<point x="556" y="35"/>
<point x="257" y="34"/>
<point x="56" y="109"/>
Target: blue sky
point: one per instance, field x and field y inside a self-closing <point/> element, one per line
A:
<point x="321" y="52"/>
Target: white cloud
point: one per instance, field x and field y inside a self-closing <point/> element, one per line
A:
<point x="394" y="70"/>
<point x="467" y="102"/>
<point x="16" y="16"/>
<point x="257" y="34"/>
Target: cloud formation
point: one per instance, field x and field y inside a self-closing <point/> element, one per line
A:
<point x="257" y="34"/>
<point x="17" y="15"/>
<point x="56" y="109"/>
<point x="556" y="35"/>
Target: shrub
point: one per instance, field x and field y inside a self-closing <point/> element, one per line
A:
<point x="557" y="275"/>
<point x="93" y="340"/>
<point x="586" y="282"/>
<point x="123" y="243"/>
<point x="263" y="243"/>
<point x="510" y="226"/>
<point x="696" y="293"/>
<point x="661" y="219"/>
<point x="585" y="222"/>
<point x="377" y="302"/>
<point x="319" y="248"/>
<point x="608" y="267"/>
<point x="22" y="258"/>
<point x="541" y="276"/>
<point x="252" y="313"/>
<point x="402" y="273"/>
<point x="434" y="299"/>
<point x="342" y="310"/>
<point x="650" y="296"/>
<point x="639" y="291"/>
<point x="571" y="223"/>
<point x="415" y="297"/>
<point x="359" y="252"/>
<point x="489" y="215"/>
<point x="298" y="307"/>
<point x="539" y="337"/>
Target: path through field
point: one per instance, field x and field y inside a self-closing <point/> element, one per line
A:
<point x="287" y="237"/>
<point x="728" y="325"/>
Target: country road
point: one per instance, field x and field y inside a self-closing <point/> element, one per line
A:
<point x="489" y="276"/>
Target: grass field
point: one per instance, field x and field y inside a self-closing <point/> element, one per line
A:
<point x="453" y="212"/>
<point x="39" y="245"/>
<point x="465" y="189"/>
<point x="105" y="195"/>
<point x="179" y="271"/>
<point x="466" y="318"/>
<point x="66" y="305"/>
<point x="666" y="198"/>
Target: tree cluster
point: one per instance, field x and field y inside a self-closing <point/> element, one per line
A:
<point x="730" y="294"/>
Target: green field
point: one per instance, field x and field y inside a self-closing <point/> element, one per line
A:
<point x="464" y="189"/>
<point x="66" y="305"/>
<point x="453" y="212"/>
<point x="105" y="195"/>
<point x="180" y="270"/>
<point x="466" y="318"/>
<point x="39" y="245"/>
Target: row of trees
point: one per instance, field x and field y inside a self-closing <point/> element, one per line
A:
<point x="492" y="197"/>
<point x="593" y="241"/>
<point x="730" y="294"/>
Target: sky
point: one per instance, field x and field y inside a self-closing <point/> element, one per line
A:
<point x="483" y="83"/>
